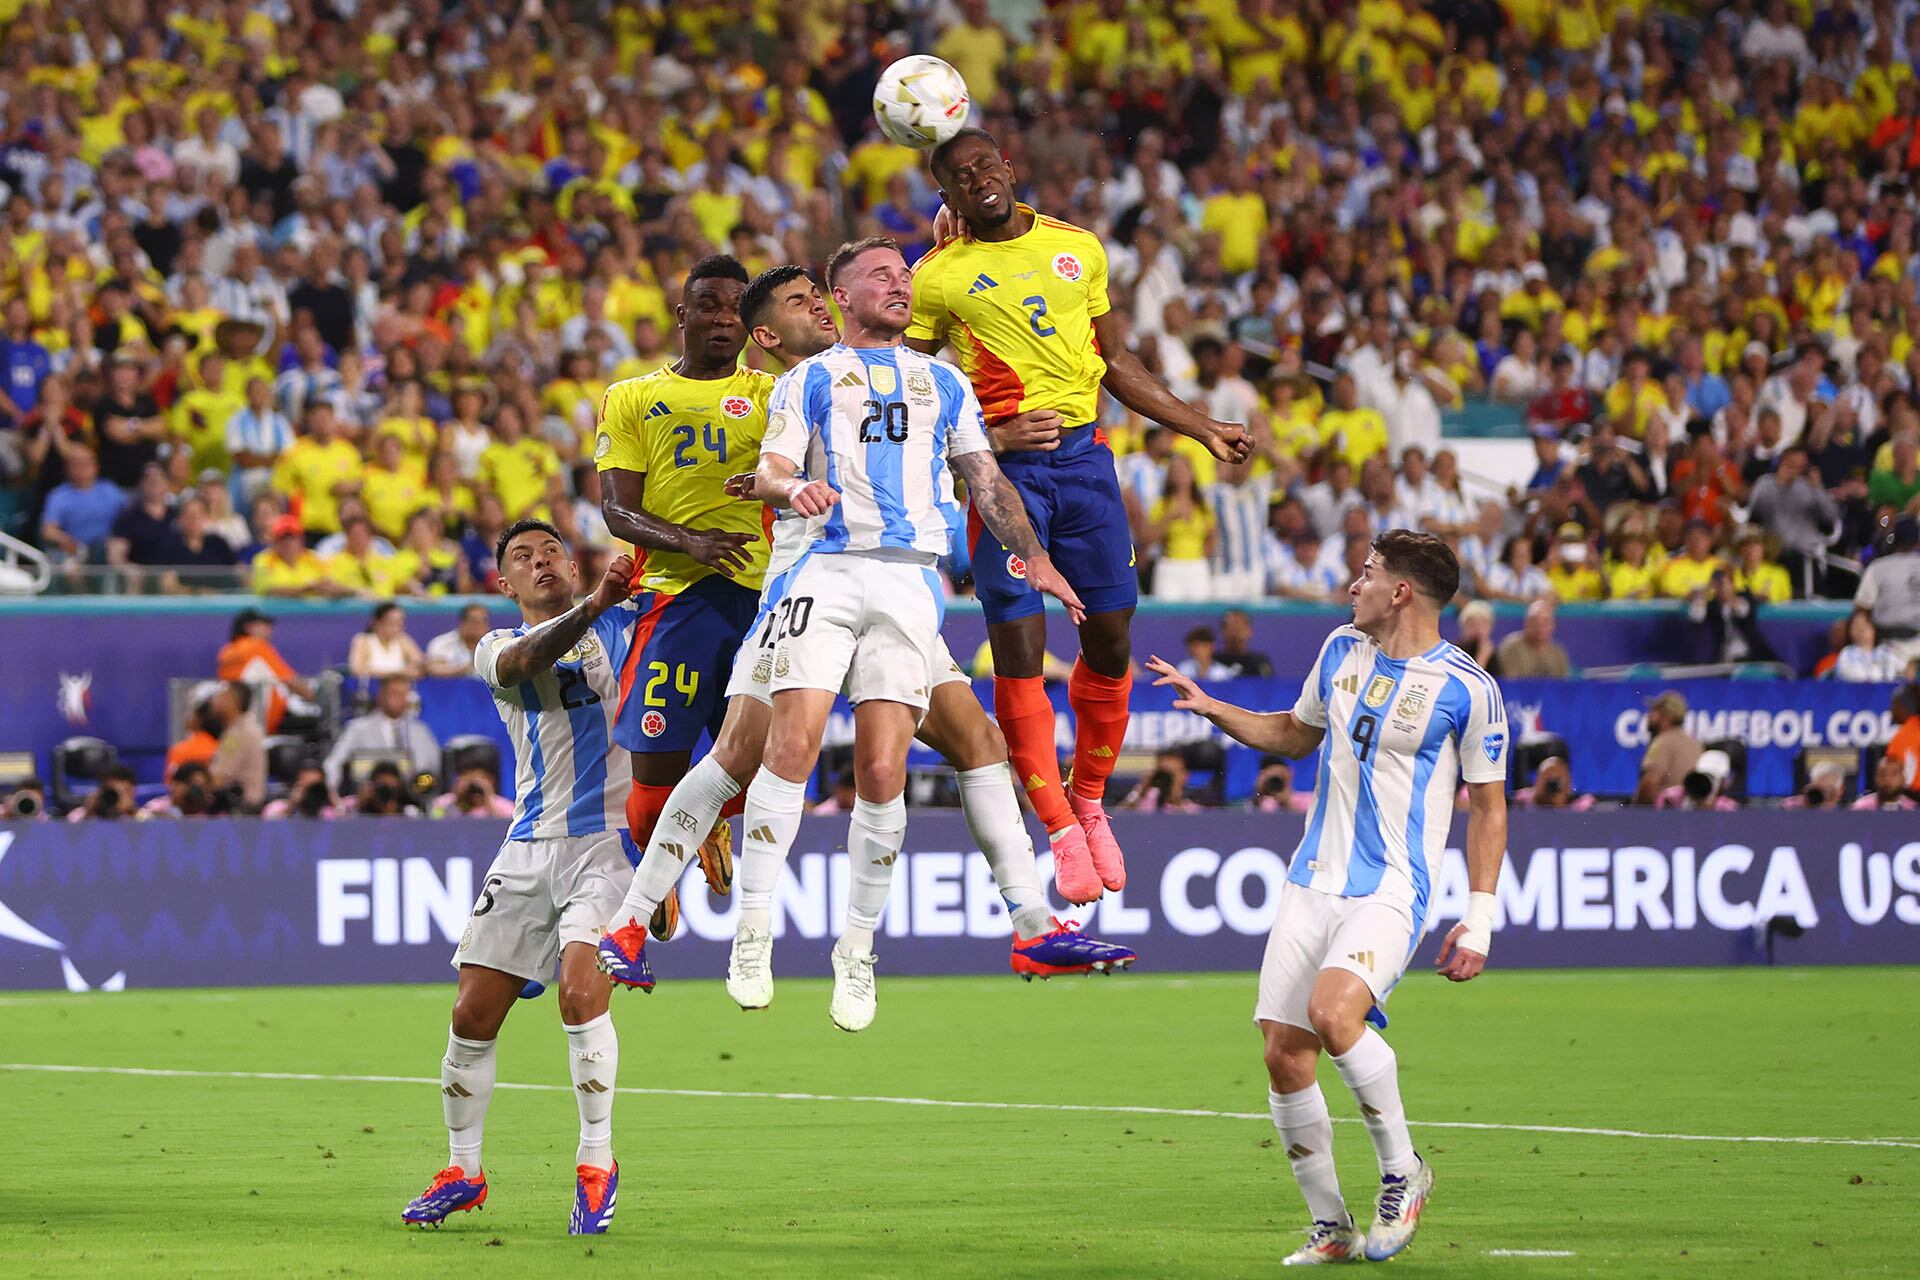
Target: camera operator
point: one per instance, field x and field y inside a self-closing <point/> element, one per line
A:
<point x="473" y="796"/>
<point x="308" y="797"/>
<point x="27" y="802"/>
<point x="190" y="794"/>
<point x="114" y="799"/>
<point x="1552" y="789"/>
<point x="1826" y="788"/>
<point x="1273" y="790"/>
<point x="384" y="793"/>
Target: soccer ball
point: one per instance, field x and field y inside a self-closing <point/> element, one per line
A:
<point x="920" y="102"/>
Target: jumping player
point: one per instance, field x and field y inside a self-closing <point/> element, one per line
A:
<point x="1023" y="301"/>
<point x="862" y="440"/>
<point x="555" y="682"/>
<point x="667" y="443"/>
<point x="1399" y="716"/>
<point x="787" y="317"/>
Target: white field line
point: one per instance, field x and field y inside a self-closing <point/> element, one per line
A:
<point x="1530" y="1253"/>
<point x="958" y="1104"/>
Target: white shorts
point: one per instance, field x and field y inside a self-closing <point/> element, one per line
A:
<point x="753" y="669"/>
<point x="863" y="626"/>
<point x="541" y="895"/>
<point x="1312" y="931"/>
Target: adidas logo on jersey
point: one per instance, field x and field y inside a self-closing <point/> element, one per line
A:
<point x="659" y="410"/>
<point x="850" y="379"/>
<point x="1362" y="958"/>
<point x="984" y="283"/>
<point x="1348" y="684"/>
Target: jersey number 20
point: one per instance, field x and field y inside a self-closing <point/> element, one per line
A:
<point x="895" y="414"/>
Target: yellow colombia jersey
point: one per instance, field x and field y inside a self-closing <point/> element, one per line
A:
<point x="686" y="436"/>
<point x="1020" y="315"/>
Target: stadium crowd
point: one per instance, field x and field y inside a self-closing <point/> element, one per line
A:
<point x="315" y="298"/>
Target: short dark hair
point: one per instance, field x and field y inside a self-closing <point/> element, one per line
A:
<point x="1423" y="559"/>
<point x="384" y="608"/>
<point x="518" y="527"/>
<point x="1206" y="345"/>
<point x="759" y="294"/>
<point x="937" y="158"/>
<point x="717" y="266"/>
<point x="843" y="256"/>
<point x="1199" y="635"/>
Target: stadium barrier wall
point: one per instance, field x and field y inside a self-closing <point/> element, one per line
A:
<point x="1604" y="723"/>
<point x="99" y="665"/>
<point x="221" y="902"/>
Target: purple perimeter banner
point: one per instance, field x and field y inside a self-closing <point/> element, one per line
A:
<point x="245" y="902"/>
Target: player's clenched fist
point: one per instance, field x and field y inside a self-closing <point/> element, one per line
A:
<point x="616" y="584"/>
<point x="1230" y="442"/>
<point x="814" y="498"/>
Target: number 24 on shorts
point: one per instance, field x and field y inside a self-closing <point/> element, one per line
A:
<point x="686" y="682"/>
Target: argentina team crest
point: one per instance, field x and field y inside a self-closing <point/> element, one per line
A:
<point x="583" y="651"/>
<point x="883" y="381"/>
<point x="919" y="382"/>
<point x="1411" y="704"/>
<point x="1379" y="691"/>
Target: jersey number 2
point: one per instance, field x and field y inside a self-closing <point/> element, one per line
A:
<point x="1036" y="308"/>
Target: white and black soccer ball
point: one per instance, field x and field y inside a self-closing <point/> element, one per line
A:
<point x="921" y="101"/>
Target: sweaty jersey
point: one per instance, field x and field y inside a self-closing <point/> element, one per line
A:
<point x="569" y="780"/>
<point x="877" y="424"/>
<point x="1400" y="736"/>
<point x="1020" y="315"/>
<point x="686" y="436"/>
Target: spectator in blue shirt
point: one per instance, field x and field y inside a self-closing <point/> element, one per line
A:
<point x="79" y="515"/>
<point x="24" y="365"/>
<point x="1707" y="392"/>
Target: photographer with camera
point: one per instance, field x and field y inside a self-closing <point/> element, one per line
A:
<point x="1552" y="789"/>
<point x="473" y="796"/>
<point x="113" y="799"/>
<point x="308" y="797"/>
<point x="1165" y="789"/>
<point x="384" y="794"/>
<point x="1704" y="787"/>
<point x="190" y="794"/>
<point x="27" y="802"/>
<point x="1273" y="790"/>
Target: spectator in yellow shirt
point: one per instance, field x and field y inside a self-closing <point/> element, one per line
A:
<point x="392" y="488"/>
<point x="1238" y="215"/>
<point x="517" y="466"/>
<point x="1356" y="433"/>
<point x="976" y="46"/>
<point x="407" y="422"/>
<point x="1570" y="567"/>
<point x="318" y="471"/>
<point x="1629" y="575"/>
<point x="1755" y="574"/>
<point x="429" y="563"/>
<point x="1636" y="397"/>
<point x="1693" y="569"/>
<point x="361" y="569"/>
<point x="287" y="568"/>
<point x="1181" y="529"/>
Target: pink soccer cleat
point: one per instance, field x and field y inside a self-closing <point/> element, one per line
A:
<point x="1073" y="872"/>
<point x="1108" y="862"/>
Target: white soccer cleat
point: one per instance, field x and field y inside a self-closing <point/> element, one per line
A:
<point x="750" y="969"/>
<point x="853" y="1004"/>
<point x="1328" y="1242"/>
<point x="1398" y="1215"/>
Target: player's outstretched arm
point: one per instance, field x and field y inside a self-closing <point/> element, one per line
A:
<point x="1147" y="396"/>
<point x="624" y="506"/>
<point x="1005" y="516"/>
<point x="1277" y="732"/>
<point x="777" y="482"/>
<point x="1464" y="952"/>
<point x="545" y="644"/>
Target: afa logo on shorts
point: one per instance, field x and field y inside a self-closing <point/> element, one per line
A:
<point x="763" y="669"/>
<point x="1066" y="266"/>
<point x="653" y="724"/>
<point x="1016" y="567"/>
<point x="736" y="406"/>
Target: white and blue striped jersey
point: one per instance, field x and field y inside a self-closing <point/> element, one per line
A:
<point x="570" y="779"/>
<point x="1400" y="736"/>
<point x="878" y="424"/>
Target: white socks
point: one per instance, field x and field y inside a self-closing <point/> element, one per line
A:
<point x="772" y="820"/>
<point x="593" y="1052"/>
<point x="1373" y="1073"/>
<point x="874" y="838"/>
<point x="466" y="1086"/>
<point x="1306" y="1130"/>
<point x="699" y="797"/>
<point x="993" y="816"/>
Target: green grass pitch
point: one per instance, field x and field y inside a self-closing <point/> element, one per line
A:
<point x="188" y="1175"/>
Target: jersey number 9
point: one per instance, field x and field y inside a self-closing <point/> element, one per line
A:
<point x="895" y="414"/>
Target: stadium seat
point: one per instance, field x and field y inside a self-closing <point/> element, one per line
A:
<point x="285" y="754"/>
<point x="469" y="751"/>
<point x="1531" y="754"/>
<point x="80" y="759"/>
<point x="1736" y="756"/>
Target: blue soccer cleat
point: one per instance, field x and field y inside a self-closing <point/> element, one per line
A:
<point x="593" y="1197"/>
<point x="451" y="1191"/>
<point x="1064" y="949"/>
<point x="622" y="956"/>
